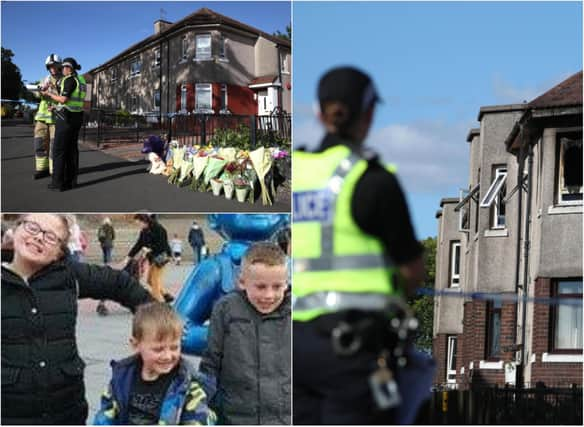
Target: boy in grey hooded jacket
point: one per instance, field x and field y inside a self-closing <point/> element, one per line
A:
<point x="247" y="361"/>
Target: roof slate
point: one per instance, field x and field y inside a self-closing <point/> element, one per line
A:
<point x="568" y="92"/>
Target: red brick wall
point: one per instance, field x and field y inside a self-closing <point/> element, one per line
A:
<point x="550" y="373"/>
<point x="439" y="351"/>
<point x="472" y="343"/>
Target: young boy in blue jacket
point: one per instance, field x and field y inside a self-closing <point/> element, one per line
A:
<point x="156" y="385"/>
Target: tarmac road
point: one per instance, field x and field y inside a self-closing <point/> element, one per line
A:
<point x="105" y="184"/>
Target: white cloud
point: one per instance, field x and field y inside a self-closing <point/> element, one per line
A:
<point x="506" y="93"/>
<point x="431" y="156"/>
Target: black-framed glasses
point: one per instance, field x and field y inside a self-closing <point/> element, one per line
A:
<point x="49" y="237"/>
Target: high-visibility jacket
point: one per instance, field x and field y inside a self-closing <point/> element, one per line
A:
<point x="336" y="265"/>
<point x="75" y="102"/>
<point x="43" y="114"/>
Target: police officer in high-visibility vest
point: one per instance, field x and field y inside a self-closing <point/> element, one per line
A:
<point x="69" y="118"/>
<point x="354" y="252"/>
<point x="44" y="128"/>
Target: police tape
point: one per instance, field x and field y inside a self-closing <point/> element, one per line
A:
<point x="487" y="296"/>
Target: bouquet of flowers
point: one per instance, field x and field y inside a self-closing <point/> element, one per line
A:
<point x="261" y="160"/>
<point x="178" y="158"/>
<point x="214" y="168"/>
<point x="199" y="164"/>
<point x="186" y="168"/>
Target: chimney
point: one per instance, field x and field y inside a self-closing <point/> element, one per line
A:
<point x="161" y="25"/>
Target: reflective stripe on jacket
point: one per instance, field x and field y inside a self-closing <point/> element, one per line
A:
<point x="332" y="255"/>
<point x="75" y="101"/>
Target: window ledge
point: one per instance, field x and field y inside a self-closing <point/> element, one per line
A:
<point x="202" y="59"/>
<point x="286" y="72"/>
<point x="223" y="60"/>
<point x="133" y="76"/>
<point x="561" y="358"/>
<point x="497" y="233"/>
<point x="490" y="365"/>
<point x="183" y="61"/>
<point x="564" y="209"/>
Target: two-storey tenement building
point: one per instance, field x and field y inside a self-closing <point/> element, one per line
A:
<point x="205" y="63"/>
<point x="515" y="234"/>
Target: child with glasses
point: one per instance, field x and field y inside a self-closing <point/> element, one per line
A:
<point x="42" y="371"/>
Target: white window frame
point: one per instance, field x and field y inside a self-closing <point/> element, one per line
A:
<point x="201" y="54"/>
<point x="135" y="70"/>
<point x="183" y="98"/>
<point x="224" y="96"/>
<point x="496" y="185"/>
<point x="451" y="351"/>
<point x="562" y="190"/>
<point x="203" y="87"/>
<point x="157" y="92"/>
<point x="157" y="57"/>
<point x="184" y="47"/>
<point x="499" y="199"/>
<point x="454" y="279"/>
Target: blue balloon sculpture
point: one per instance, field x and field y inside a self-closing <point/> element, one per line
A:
<point x="215" y="276"/>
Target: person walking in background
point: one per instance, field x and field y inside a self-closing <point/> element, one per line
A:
<point x="44" y="127"/>
<point x="348" y="280"/>
<point x="69" y="115"/>
<point x="176" y="246"/>
<point x="196" y="240"/>
<point x="154" y="238"/>
<point x="75" y="243"/>
<point x="106" y="236"/>
<point x="42" y="371"/>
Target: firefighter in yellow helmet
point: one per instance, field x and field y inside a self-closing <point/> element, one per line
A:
<point x="355" y="255"/>
<point x="69" y="119"/>
<point x="44" y="129"/>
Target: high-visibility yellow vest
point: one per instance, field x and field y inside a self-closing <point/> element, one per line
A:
<point x="75" y="102"/>
<point x="336" y="265"/>
<point x="43" y="114"/>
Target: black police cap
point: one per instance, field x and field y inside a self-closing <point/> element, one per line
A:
<point x="349" y="85"/>
<point x="70" y="62"/>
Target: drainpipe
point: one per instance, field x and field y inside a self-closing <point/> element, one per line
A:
<point x="279" y="77"/>
<point x="526" y="246"/>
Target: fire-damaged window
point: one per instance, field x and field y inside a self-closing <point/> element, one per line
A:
<point x="114" y="74"/>
<point x="203" y="98"/>
<point x="222" y="46"/>
<point x="569" y="167"/>
<point x="203" y="46"/>
<point x="493" y="329"/>
<point x="566" y="324"/>
<point x="184" y="47"/>
<point x="467" y="199"/>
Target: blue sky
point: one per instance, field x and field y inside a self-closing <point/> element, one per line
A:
<point x="435" y="64"/>
<point x="93" y="32"/>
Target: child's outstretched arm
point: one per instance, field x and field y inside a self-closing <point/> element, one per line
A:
<point x="109" y="410"/>
<point x="196" y="410"/>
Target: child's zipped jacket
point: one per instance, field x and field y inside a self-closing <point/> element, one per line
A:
<point x="185" y="401"/>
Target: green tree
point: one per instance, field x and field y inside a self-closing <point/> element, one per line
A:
<point x="12" y="86"/>
<point x="287" y="35"/>
<point x="423" y="305"/>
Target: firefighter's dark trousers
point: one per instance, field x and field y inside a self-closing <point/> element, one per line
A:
<point x="66" y="150"/>
<point x="44" y="136"/>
